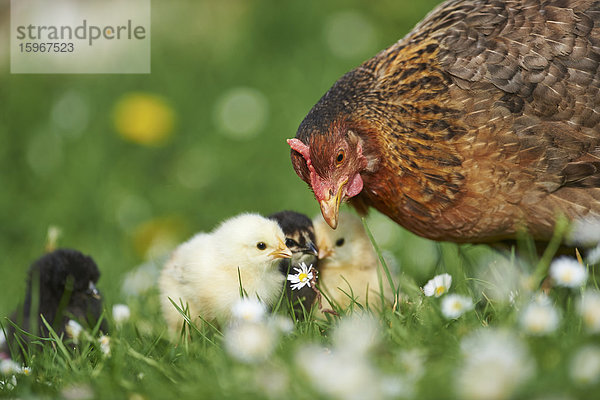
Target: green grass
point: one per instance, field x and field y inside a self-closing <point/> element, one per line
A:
<point x="127" y="204"/>
<point x="417" y="349"/>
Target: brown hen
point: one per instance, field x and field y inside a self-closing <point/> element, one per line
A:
<point x="482" y="122"/>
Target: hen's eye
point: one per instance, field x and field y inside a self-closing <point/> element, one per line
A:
<point x="261" y="245"/>
<point x="290" y="243"/>
<point x="340" y="242"/>
<point x="340" y="157"/>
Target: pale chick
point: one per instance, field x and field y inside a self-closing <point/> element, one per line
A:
<point x="348" y="264"/>
<point x="202" y="273"/>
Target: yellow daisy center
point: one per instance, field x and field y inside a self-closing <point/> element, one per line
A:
<point x="303" y="276"/>
<point x="440" y="290"/>
<point x="567" y="276"/>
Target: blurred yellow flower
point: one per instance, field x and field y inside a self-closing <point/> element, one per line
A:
<point x="158" y="236"/>
<point x="144" y="118"/>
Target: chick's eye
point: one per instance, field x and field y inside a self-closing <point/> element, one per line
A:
<point x="340" y="157"/>
<point x="261" y="245"/>
<point x="339" y="242"/>
<point x="290" y="243"/>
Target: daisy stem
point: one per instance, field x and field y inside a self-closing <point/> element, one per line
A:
<point x="541" y="269"/>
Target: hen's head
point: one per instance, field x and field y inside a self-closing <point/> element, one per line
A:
<point x="337" y="141"/>
<point x="331" y="164"/>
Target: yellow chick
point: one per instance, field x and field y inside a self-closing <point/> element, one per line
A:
<point x="348" y="264"/>
<point x="202" y="273"/>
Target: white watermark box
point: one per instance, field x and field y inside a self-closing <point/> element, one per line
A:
<point x="80" y="36"/>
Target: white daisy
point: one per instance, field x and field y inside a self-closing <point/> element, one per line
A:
<point x="588" y="307"/>
<point x="143" y="278"/>
<point x="412" y="363"/>
<point x="498" y="279"/>
<point x="283" y="324"/>
<point x="567" y="272"/>
<point x="121" y="313"/>
<point x="9" y="367"/>
<point x="539" y="317"/>
<point x="585" y="231"/>
<point x="52" y="236"/>
<point x="495" y="364"/>
<point x="73" y="330"/>
<point x="80" y="391"/>
<point x="593" y="256"/>
<point x="455" y="305"/>
<point x="339" y="374"/>
<point x="395" y="387"/>
<point x="274" y="381"/>
<point x="438" y="285"/>
<point x="250" y="342"/>
<point x="248" y="310"/>
<point x="303" y="276"/>
<point x="104" y="344"/>
<point x="585" y="365"/>
<point x="356" y="334"/>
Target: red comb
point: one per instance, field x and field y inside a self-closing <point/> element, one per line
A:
<point x="300" y="147"/>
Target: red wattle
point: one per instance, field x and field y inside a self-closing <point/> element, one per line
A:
<point x="355" y="185"/>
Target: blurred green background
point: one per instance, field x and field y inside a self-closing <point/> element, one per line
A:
<point x="127" y="166"/>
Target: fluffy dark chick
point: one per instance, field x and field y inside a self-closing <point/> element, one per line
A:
<point x="300" y="239"/>
<point x="61" y="285"/>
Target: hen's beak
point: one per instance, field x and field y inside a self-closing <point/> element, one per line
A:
<point x="282" y="251"/>
<point x="330" y="207"/>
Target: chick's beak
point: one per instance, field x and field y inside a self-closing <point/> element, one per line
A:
<point x="93" y="291"/>
<point x="324" y="252"/>
<point x="311" y="249"/>
<point x="282" y="251"/>
<point x="330" y="206"/>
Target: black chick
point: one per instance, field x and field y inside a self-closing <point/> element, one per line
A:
<point x="61" y="285"/>
<point x="300" y="239"/>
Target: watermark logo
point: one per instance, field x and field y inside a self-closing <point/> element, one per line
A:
<point x="75" y="36"/>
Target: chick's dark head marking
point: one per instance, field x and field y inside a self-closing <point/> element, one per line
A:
<point x="300" y="239"/>
<point x="298" y="230"/>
